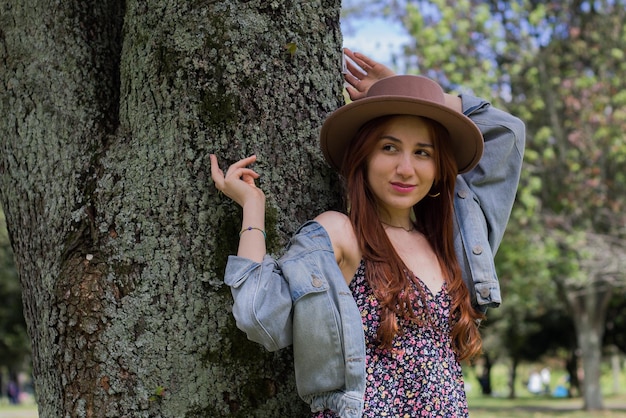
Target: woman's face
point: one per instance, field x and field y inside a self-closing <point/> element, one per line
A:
<point x="402" y="167"/>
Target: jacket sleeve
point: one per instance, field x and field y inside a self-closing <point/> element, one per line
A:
<point x="495" y="179"/>
<point x="262" y="301"/>
<point x="484" y="199"/>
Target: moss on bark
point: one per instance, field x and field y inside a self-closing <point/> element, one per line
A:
<point x="119" y="234"/>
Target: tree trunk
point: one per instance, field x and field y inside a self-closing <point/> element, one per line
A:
<point x="484" y="379"/>
<point x="588" y="307"/>
<point x="571" y="365"/>
<point x="513" y="378"/>
<point x="110" y="110"/>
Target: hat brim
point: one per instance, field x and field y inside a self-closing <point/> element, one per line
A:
<point x="341" y="126"/>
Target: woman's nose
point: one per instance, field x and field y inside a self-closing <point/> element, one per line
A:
<point x="405" y="165"/>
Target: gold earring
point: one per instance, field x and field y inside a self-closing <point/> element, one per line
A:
<point x="433" y="195"/>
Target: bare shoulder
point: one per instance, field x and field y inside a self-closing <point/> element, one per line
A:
<point x="332" y="218"/>
<point x="336" y="224"/>
<point x="344" y="241"/>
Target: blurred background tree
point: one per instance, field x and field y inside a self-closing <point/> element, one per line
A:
<point x="558" y="65"/>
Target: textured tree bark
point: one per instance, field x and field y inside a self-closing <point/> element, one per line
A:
<point x="110" y="110"/>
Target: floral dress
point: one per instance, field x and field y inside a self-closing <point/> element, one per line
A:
<point x="420" y="375"/>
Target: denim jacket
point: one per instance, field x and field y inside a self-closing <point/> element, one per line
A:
<point x="302" y="299"/>
<point x="484" y="199"/>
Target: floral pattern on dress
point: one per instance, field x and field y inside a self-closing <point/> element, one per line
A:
<point x="420" y="375"/>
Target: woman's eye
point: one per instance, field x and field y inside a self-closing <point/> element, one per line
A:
<point x="388" y="147"/>
<point x="422" y="153"/>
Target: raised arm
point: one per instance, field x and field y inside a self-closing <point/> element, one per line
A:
<point x="262" y="299"/>
<point x="238" y="184"/>
<point x="362" y="71"/>
<point x="495" y="179"/>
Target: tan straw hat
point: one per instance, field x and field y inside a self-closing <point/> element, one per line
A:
<point x="401" y="95"/>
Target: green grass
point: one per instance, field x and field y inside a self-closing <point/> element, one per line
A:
<point x="18" y="411"/>
<point x="497" y="406"/>
<point x="529" y="406"/>
<point x="480" y="407"/>
<point x="543" y="408"/>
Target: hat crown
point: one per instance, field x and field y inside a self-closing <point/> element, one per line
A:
<point x="412" y="86"/>
<point x="402" y="95"/>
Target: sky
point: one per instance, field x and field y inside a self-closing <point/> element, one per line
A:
<point x="377" y="38"/>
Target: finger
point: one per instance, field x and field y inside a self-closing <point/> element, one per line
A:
<point x="249" y="178"/>
<point x="367" y="61"/>
<point x="352" y="64"/>
<point x="245" y="161"/>
<point x="352" y="80"/>
<point x="240" y="166"/>
<point x="354" y="70"/>
<point x="348" y="53"/>
<point x="354" y="93"/>
<point x="356" y="62"/>
<point x="240" y="173"/>
<point x="214" y="164"/>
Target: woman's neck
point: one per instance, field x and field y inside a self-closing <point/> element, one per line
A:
<point x="398" y="220"/>
<point x="408" y="228"/>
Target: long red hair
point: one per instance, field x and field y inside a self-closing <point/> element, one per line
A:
<point x="385" y="271"/>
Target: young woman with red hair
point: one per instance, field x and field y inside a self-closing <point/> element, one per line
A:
<point x="428" y="232"/>
<point x="382" y="302"/>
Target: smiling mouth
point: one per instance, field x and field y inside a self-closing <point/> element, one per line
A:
<point x="403" y="187"/>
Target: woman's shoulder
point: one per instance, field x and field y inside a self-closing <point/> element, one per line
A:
<point x="343" y="239"/>
<point x="335" y="223"/>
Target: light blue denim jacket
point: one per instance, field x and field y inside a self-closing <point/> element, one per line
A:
<point x="302" y="298"/>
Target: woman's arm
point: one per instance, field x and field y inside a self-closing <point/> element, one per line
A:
<point x="262" y="299"/>
<point x="362" y="72"/>
<point x="238" y="184"/>
<point x="484" y="198"/>
<point x="495" y="179"/>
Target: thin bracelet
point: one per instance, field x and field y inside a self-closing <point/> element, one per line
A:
<point x="250" y="228"/>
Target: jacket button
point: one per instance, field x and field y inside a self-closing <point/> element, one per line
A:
<point x="484" y="292"/>
<point x="462" y="194"/>
<point x="477" y="250"/>
<point x="316" y="281"/>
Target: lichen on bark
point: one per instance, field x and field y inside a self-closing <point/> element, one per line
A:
<point x="120" y="236"/>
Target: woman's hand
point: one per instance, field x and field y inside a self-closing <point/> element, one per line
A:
<point x="238" y="183"/>
<point x="362" y="73"/>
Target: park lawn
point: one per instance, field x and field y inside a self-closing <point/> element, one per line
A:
<point x="480" y="407"/>
<point x="18" y="411"/>
<point x="497" y="406"/>
<point x="526" y="405"/>
<point x="543" y="407"/>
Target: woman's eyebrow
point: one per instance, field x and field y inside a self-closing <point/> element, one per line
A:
<point x="394" y="139"/>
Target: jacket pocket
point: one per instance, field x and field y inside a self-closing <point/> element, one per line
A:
<point x="317" y="337"/>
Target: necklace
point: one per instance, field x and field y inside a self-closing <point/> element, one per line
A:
<point x="412" y="228"/>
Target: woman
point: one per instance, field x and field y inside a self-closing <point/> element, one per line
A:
<point x="374" y="300"/>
